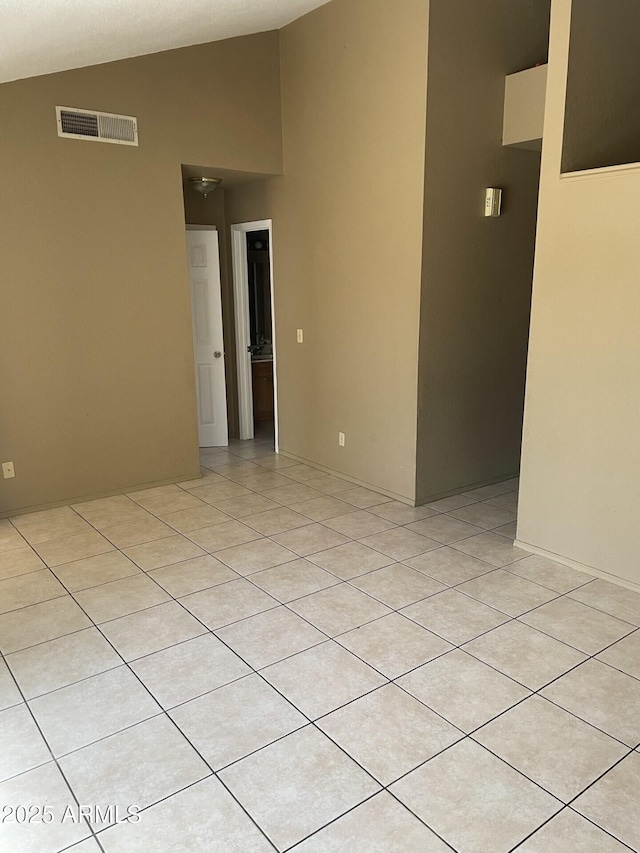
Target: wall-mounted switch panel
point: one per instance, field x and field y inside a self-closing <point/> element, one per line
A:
<point x="492" y="201"/>
<point x="341" y="439"/>
<point x="300" y="336"/>
<point x="8" y="470"/>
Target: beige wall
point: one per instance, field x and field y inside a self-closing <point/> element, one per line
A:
<point x="477" y="272"/>
<point x="96" y="370"/>
<point x="347" y="236"/>
<point x="580" y="484"/>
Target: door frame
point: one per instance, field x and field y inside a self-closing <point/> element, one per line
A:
<point x="240" y="266"/>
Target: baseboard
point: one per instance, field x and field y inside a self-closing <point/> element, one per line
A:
<point x="11" y="513"/>
<point x="363" y="483"/>
<point x="581" y="567"/>
<point x="438" y="496"/>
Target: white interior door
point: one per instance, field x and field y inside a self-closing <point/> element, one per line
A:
<point x="208" y="343"/>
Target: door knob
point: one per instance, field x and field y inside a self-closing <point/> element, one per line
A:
<point x="217" y="354"/>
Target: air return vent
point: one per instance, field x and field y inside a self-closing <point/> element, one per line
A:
<point x="97" y="127"/>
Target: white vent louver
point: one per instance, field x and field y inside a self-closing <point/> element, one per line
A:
<point x="97" y="127"/>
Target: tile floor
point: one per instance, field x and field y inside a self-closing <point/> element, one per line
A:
<point x="269" y="658"/>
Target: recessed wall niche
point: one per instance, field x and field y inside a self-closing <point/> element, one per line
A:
<point x="602" y="112"/>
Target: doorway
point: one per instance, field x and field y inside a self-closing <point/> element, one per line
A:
<point x="252" y="256"/>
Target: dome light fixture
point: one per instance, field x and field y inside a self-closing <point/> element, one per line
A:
<point x="204" y="186"/>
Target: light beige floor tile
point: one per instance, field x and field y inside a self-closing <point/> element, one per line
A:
<point x="322" y="508"/>
<point x="525" y="654"/>
<point x="329" y="485"/>
<point x="271" y="636"/>
<point x="238" y="467"/>
<point x="449" y="566"/>
<point x="508" y="501"/>
<point x="19" y="561"/>
<point x="119" y="598"/>
<point x="400" y="513"/>
<point x="71" y="548"/>
<point x="350" y="560"/>
<point x="254" y="556"/>
<point x="507" y="592"/>
<point x="612" y="802"/>
<point x="615" y="600"/>
<point x="256" y="454"/>
<point x="189" y="669"/>
<point x="9" y="693"/>
<point x="137" y="532"/>
<point x="463" y="690"/>
<point x="555" y="749"/>
<point x="474" y="801"/>
<point x="20" y="521"/>
<point x="624" y="655"/>
<point x="508" y="531"/>
<point x="55" y="528"/>
<point x="363" y="498"/>
<point x="549" y="574"/>
<point x="275" y="521"/>
<point x="151" y="630"/>
<point x="388" y="732"/>
<point x="21" y="744"/>
<point x="569" y="831"/>
<point x="63" y="661"/>
<point x="484" y="515"/>
<point x="379" y="825"/>
<point x="275" y="462"/>
<point x="603" y="697"/>
<point x="236" y="719"/>
<point x="400" y="543"/>
<point x="141" y="765"/>
<point x="32" y="588"/>
<point x="287" y="495"/>
<point x="106" y="512"/>
<point x="187" y="520"/>
<point x="444" y="529"/>
<point x="304" y="473"/>
<point x="322" y="679"/>
<point x="452" y="502"/>
<point x="279" y="785"/>
<point x="202" y="817"/>
<point x="397" y="585"/>
<point x="310" y="539"/>
<point x="208" y="478"/>
<point x="163" y="552"/>
<point x="154" y="491"/>
<point x="338" y="609"/>
<point x="263" y="481"/>
<point x="192" y="575"/>
<point x="10" y="539"/>
<point x="93" y="571"/>
<point x="218" y="492"/>
<point x="244" y="506"/>
<point x="293" y="580"/>
<point x="89" y="710"/>
<point x="229" y="602"/>
<point x="359" y="524"/>
<point x="485" y="493"/>
<point x="44" y="786"/>
<point x="39" y="623"/>
<point x="393" y="645"/>
<point x="491" y="548"/>
<point x="454" y="616"/>
<point x="577" y="625"/>
<point x="165" y="503"/>
<point x="224" y="535"/>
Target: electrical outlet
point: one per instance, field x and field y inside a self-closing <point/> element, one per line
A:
<point x="8" y="470"/>
<point x="300" y="336"/>
<point x="341" y="439"/>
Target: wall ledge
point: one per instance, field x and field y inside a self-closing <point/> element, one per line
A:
<point x="602" y="172"/>
<point x="581" y="567"/>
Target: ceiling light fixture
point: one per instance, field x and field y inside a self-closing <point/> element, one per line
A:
<point x="204" y="186"/>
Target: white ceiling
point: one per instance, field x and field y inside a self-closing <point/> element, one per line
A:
<point x="42" y="36"/>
